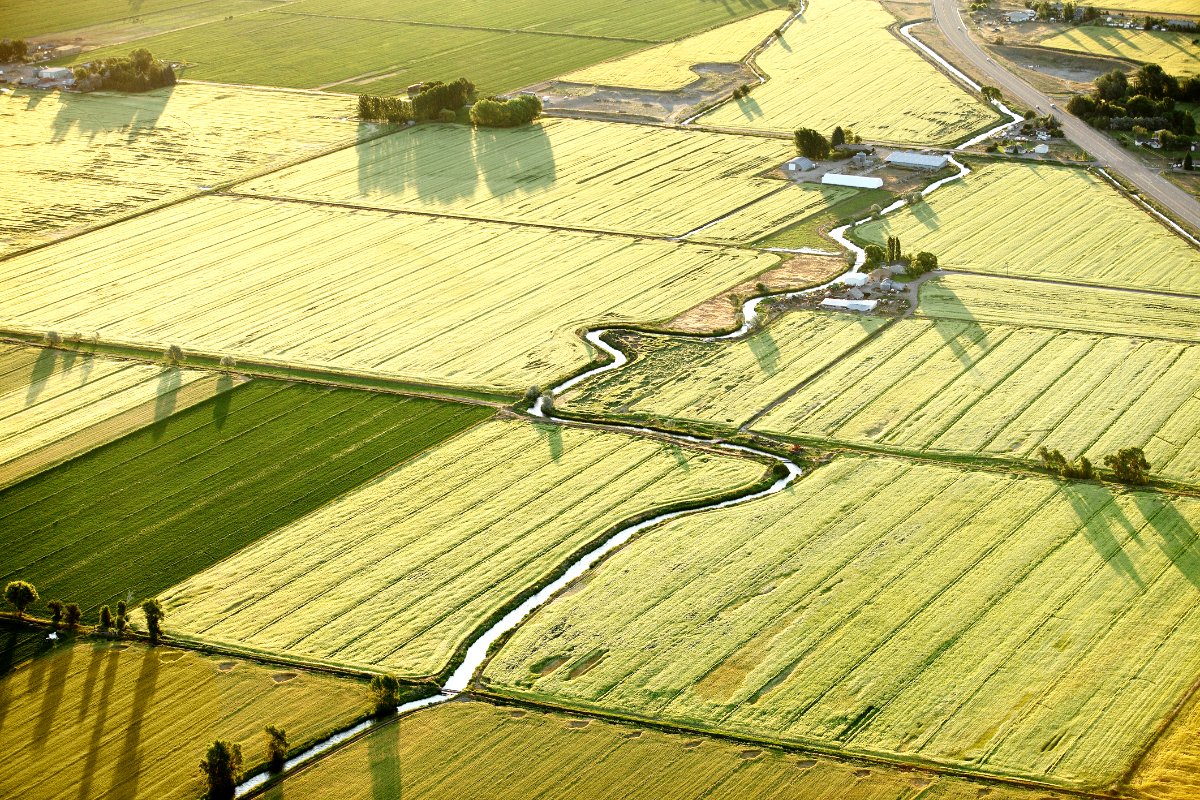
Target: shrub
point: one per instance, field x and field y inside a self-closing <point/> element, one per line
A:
<point x="446" y="115"/>
<point x="1129" y="465"/>
<point x="106" y="619"/>
<point x="373" y="108"/>
<point x="222" y="768"/>
<point x="20" y="595"/>
<point x="491" y="112"/>
<point x="122" y="617"/>
<point x="875" y="255"/>
<point x="548" y="404"/>
<point x="72" y="615"/>
<point x="384" y="691"/>
<point x="277" y="748"/>
<point x="56" y="613"/>
<point x="174" y="354"/>
<point x="532" y="394"/>
<point x="228" y="362"/>
<point x="53" y="338"/>
<point x="138" y="72"/>
<point x="1056" y="462"/>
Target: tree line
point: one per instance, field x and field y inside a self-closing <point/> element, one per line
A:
<point x="493" y="112"/>
<point x="1127" y="465"/>
<point x="1146" y="102"/>
<point x="441" y="101"/>
<point x="137" y="72"/>
<point x="811" y="143"/>
<point x="22" y="594"/>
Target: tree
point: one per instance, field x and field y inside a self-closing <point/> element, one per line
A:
<point x="1112" y="86"/>
<point x="1187" y="160"/>
<point x="1129" y="465"/>
<point x="106" y="619"/>
<point x="20" y="595"/>
<point x="532" y="394"/>
<point x="72" y="615"/>
<point x="893" y="249"/>
<point x="384" y="691"/>
<point x="154" y="617"/>
<point x="492" y="112"/>
<point x="990" y="93"/>
<point x="875" y="255"/>
<point x="922" y="263"/>
<point x="1153" y="81"/>
<point x="838" y="137"/>
<point x="277" y="747"/>
<point x="811" y="144"/>
<point x="56" y="613"/>
<point x="222" y="768"/>
<point x="122" y="617"/>
<point x="1056" y="462"/>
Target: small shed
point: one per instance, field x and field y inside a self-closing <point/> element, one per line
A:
<point x="854" y="279"/>
<point x="857" y="181"/>
<point x="799" y="164"/>
<point x="1042" y="149"/>
<point x="837" y="304"/>
<point x="910" y="160"/>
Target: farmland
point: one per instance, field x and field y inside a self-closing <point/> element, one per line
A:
<point x="147" y="511"/>
<point x="24" y="20"/>
<point x="562" y="172"/>
<point x="54" y="404"/>
<point x="894" y="96"/>
<point x="461" y="748"/>
<point x="720" y="382"/>
<point x="70" y="161"/>
<point x="669" y="66"/>
<point x="105" y="720"/>
<point x="435" y="300"/>
<point x="450" y="538"/>
<point x="968" y="224"/>
<point x="1153" y="6"/>
<point x="1171" y="768"/>
<point x="1174" y="52"/>
<point x="981" y="298"/>
<point x="772" y="213"/>
<point x="1005" y="624"/>
<point x="809" y="231"/>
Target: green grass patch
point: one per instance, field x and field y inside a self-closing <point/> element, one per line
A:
<point x="808" y="231"/>
<point x="141" y="514"/>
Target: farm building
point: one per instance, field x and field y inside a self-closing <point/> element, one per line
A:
<point x="1021" y="16"/>
<point x="837" y="304"/>
<point x="55" y="74"/>
<point x="910" y="160"/>
<point x="857" y="181"/>
<point x="1042" y="149"/>
<point x="799" y="164"/>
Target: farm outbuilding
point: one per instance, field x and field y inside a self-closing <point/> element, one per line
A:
<point x="799" y="164"/>
<point x="910" y="160"/>
<point x="55" y="74"/>
<point x="857" y="181"/>
<point x="838" y="304"/>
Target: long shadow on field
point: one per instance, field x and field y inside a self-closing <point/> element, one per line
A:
<point x="1177" y="536"/>
<point x="382" y="749"/>
<point x="112" y="660"/>
<point x="126" y="774"/>
<point x="1099" y="514"/>
<point x="43" y="368"/>
<point x="394" y="164"/>
<point x="553" y="436"/>
<point x="223" y="400"/>
<point x="169" y="381"/>
<point x="749" y="107"/>
<point x="83" y="117"/>
<point x="515" y="159"/>
<point x="766" y="351"/>
<point x="52" y="693"/>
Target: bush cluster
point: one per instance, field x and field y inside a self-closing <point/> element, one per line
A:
<point x="436" y="96"/>
<point x="1147" y="101"/>
<point x="137" y="72"/>
<point x="493" y="112"/>
<point x="373" y="108"/>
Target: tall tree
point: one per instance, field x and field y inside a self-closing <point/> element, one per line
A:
<point x="277" y="747"/>
<point x="838" y="137"/>
<point x="222" y="768"/>
<point x="1129" y="465"/>
<point x="72" y="614"/>
<point x="154" y="617"/>
<point x="811" y="144"/>
<point x="106" y="619"/>
<point x="56" y="613"/>
<point x="21" y="595"/>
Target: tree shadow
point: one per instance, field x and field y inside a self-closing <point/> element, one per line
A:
<point x="111" y="660"/>
<point x="169" y="381"/>
<point x="223" y="400"/>
<point x="85" y="118"/>
<point x="52" y="690"/>
<point x="1177" y="536"/>
<point x="393" y="164"/>
<point x="43" y="368"/>
<point x="384" y="759"/>
<point x="553" y="436"/>
<point x="126" y="773"/>
<point x="765" y="351"/>
<point x="515" y="159"/>
<point x="749" y="107"/>
<point x="1098" y="511"/>
<point x="680" y="459"/>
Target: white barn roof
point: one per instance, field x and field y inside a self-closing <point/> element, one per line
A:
<point x="838" y="304"/>
<point x="857" y="181"/>
<point x="906" y="158"/>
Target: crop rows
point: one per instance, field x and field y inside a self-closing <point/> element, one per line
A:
<point x="1174" y="52"/>
<point x="399" y="573"/>
<point x="570" y="173"/>
<point x="458" y="748"/>
<point x="436" y="300"/>
<point x="72" y="160"/>
<point x="108" y="721"/>
<point x="23" y="20"/>
<point x="1003" y="624"/>
<point x="840" y="65"/>
<point x="669" y="66"/>
<point x="148" y="510"/>
<point x="772" y="213"/>
<point x="1043" y="221"/>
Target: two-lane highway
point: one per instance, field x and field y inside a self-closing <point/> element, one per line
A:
<point x="1107" y="152"/>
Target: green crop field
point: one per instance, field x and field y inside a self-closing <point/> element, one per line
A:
<point x="69" y="161"/>
<point x="776" y="211"/>
<point x="950" y="386"/>
<point x="808" y="232"/>
<point x="462" y="749"/>
<point x="399" y="573"/>
<point x="721" y="382"/>
<point x="840" y="65"/>
<point x="1072" y="225"/>
<point x="109" y="721"/>
<point x="1001" y="624"/>
<point x="22" y="19"/>
<point x="1174" y="52"/>
<point x="447" y="301"/>
<point x="108" y="29"/>
<point x="569" y="173"/>
<point x="129" y="519"/>
<point x="981" y="298"/>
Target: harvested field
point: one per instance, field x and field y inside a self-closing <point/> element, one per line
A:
<point x="129" y="519"/>
<point x="1022" y="219"/>
<point x="723" y="382"/>
<point x="840" y="65"/>
<point x="979" y="298"/>
<point x="449" y="301"/>
<point x="1174" y="52"/>
<point x="103" y="721"/>
<point x="399" y="573"/>
<point x="669" y="66"/>
<point x="950" y="386"/>
<point x="571" y="173"/>
<point x="69" y="161"/>
<point x="459" y="748"/>
<point x="1002" y="624"/>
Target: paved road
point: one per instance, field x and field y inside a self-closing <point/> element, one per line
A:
<point x="1107" y="152"/>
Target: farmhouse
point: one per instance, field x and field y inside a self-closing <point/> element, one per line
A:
<point x="910" y="160"/>
<point x="799" y="164"/>
<point x="857" y="181"/>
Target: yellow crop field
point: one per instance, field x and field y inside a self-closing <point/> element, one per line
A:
<point x="114" y="721"/>
<point x="1171" y="769"/>
<point x="463" y="749"/>
<point x="723" y="382"/>
<point x="980" y="298"/>
<point x="69" y="161"/>
<point x="669" y="66"/>
<point x="398" y="573"/>
<point x="1043" y="221"/>
<point x="1174" y="52"/>
<point x="51" y="399"/>
<point x="838" y="64"/>
<point x="1153" y="6"/>
<point x="788" y="205"/>
<point x="957" y="387"/>
<point x="571" y="173"/>
<point x="1003" y="624"/>
<point x="435" y="300"/>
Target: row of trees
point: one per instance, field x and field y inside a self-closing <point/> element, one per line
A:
<point x="374" y="108"/>
<point x="442" y="100"/>
<point x="13" y="50"/>
<point x="137" y="72"/>
<point x="1146" y="102"/>
<point x="1128" y="465"/>
<point x="436" y="97"/>
<point x="222" y="766"/>
<point x="914" y="265"/>
<point x="22" y="594"/>
<point x="492" y="112"/>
